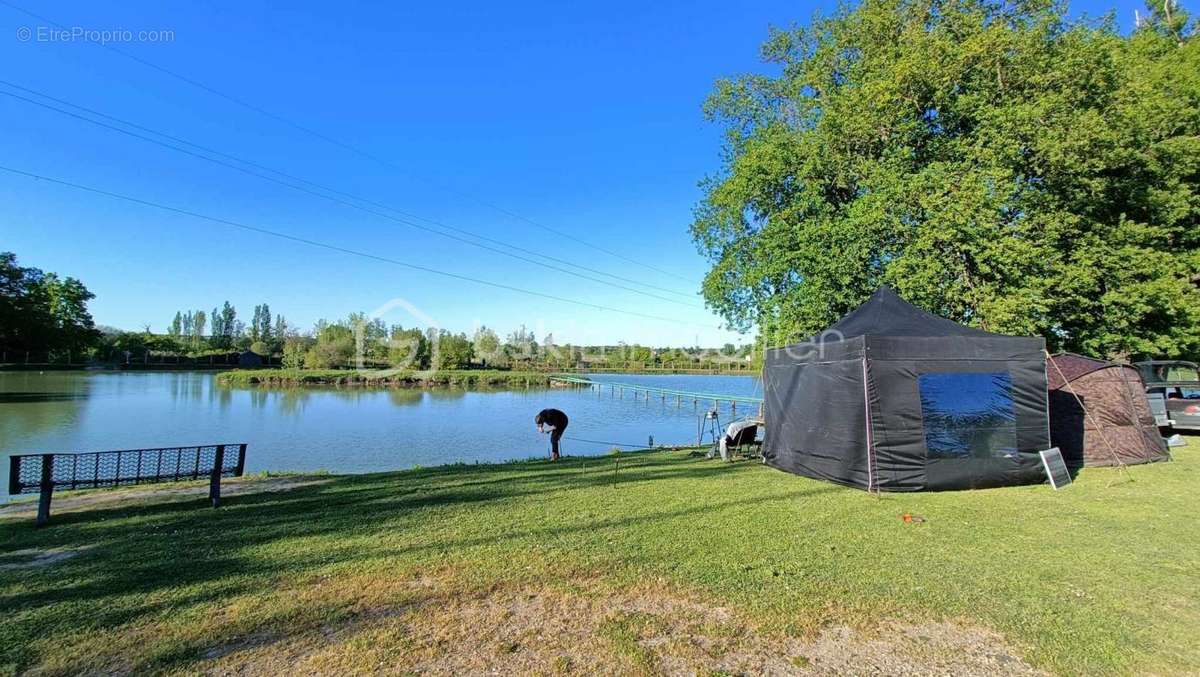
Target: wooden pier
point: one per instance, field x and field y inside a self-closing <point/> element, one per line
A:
<point x="666" y="395"/>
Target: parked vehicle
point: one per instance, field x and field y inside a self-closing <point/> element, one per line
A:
<point x="1173" y="388"/>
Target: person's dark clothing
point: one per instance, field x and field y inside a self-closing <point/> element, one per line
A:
<point x="552" y="417"/>
<point x="557" y="419"/>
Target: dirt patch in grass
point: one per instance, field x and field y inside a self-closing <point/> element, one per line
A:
<point x="157" y="493"/>
<point x="897" y="648"/>
<point x="34" y="558"/>
<point x="587" y="629"/>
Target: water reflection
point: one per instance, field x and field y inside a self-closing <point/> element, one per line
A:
<point x="258" y="398"/>
<point x="32" y="402"/>
<point x="187" y="387"/>
<point x="405" y="397"/>
<point x="336" y="429"/>
<point x="291" y="401"/>
<point x="451" y="393"/>
<point x="222" y="396"/>
<point x="14" y="398"/>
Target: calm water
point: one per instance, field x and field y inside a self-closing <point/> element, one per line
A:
<point x="341" y="430"/>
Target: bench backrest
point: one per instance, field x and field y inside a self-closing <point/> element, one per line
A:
<point x="126" y="467"/>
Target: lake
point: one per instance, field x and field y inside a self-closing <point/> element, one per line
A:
<point x="342" y="430"/>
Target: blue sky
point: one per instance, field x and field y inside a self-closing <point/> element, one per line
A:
<point x="582" y="118"/>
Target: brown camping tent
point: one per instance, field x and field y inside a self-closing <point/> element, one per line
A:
<point x="1117" y="421"/>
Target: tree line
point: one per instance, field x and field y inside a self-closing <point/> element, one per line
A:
<point x="264" y="334"/>
<point x="47" y="314"/>
<point x="997" y="163"/>
<point x="358" y="340"/>
<point x="362" y="341"/>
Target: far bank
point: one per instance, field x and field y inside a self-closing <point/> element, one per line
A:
<point x="407" y="378"/>
<point x="397" y="378"/>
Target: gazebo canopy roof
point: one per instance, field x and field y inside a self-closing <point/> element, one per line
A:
<point x="886" y="314"/>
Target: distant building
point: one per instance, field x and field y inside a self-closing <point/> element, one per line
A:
<point x="249" y="359"/>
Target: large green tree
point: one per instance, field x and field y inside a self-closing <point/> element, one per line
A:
<point x="994" y="162"/>
<point x="43" y="311"/>
<point x="454" y="351"/>
<point x="486" y="345"/>
<point x="408" y="348"/>
<point x="334" y="347"/>
<point x="260" y="324"/>
<point x="72" y="326"/>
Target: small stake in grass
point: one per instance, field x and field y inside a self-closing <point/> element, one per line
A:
<point x="616" y="454"/>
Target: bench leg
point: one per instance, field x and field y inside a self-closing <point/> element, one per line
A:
<point x="214" y="480"/>
<point x="47" y="490"/>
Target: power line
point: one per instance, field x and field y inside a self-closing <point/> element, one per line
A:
<point x="292" y="177"/>
<point x="353" y="149"/>
<point x="343" y="250"/>
<point x="336" y="200"/>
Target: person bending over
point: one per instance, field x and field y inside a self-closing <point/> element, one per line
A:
<point x="555" y="422"/>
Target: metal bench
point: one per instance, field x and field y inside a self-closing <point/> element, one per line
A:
<point x="42" y="473"/>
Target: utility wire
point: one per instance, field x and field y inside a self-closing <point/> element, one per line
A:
<point x="292" y="177"/>
<point x="344" y="250"/>
<point x="336" y="200"/>
<point x="351" y="148"/>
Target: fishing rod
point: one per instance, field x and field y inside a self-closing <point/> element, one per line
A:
<point x="611" y="444"/>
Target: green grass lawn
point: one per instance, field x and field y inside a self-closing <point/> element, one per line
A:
<point x="362" y="572"/>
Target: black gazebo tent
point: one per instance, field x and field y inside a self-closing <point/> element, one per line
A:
<point x="896" y="399"/>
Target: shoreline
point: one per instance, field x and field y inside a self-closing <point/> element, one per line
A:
<point x="383" y="378"/>
<point x="226" y="368"/>
<point x="401" y="378"/>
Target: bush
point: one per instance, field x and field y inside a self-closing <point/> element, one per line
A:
<point x="338" y="353"/>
